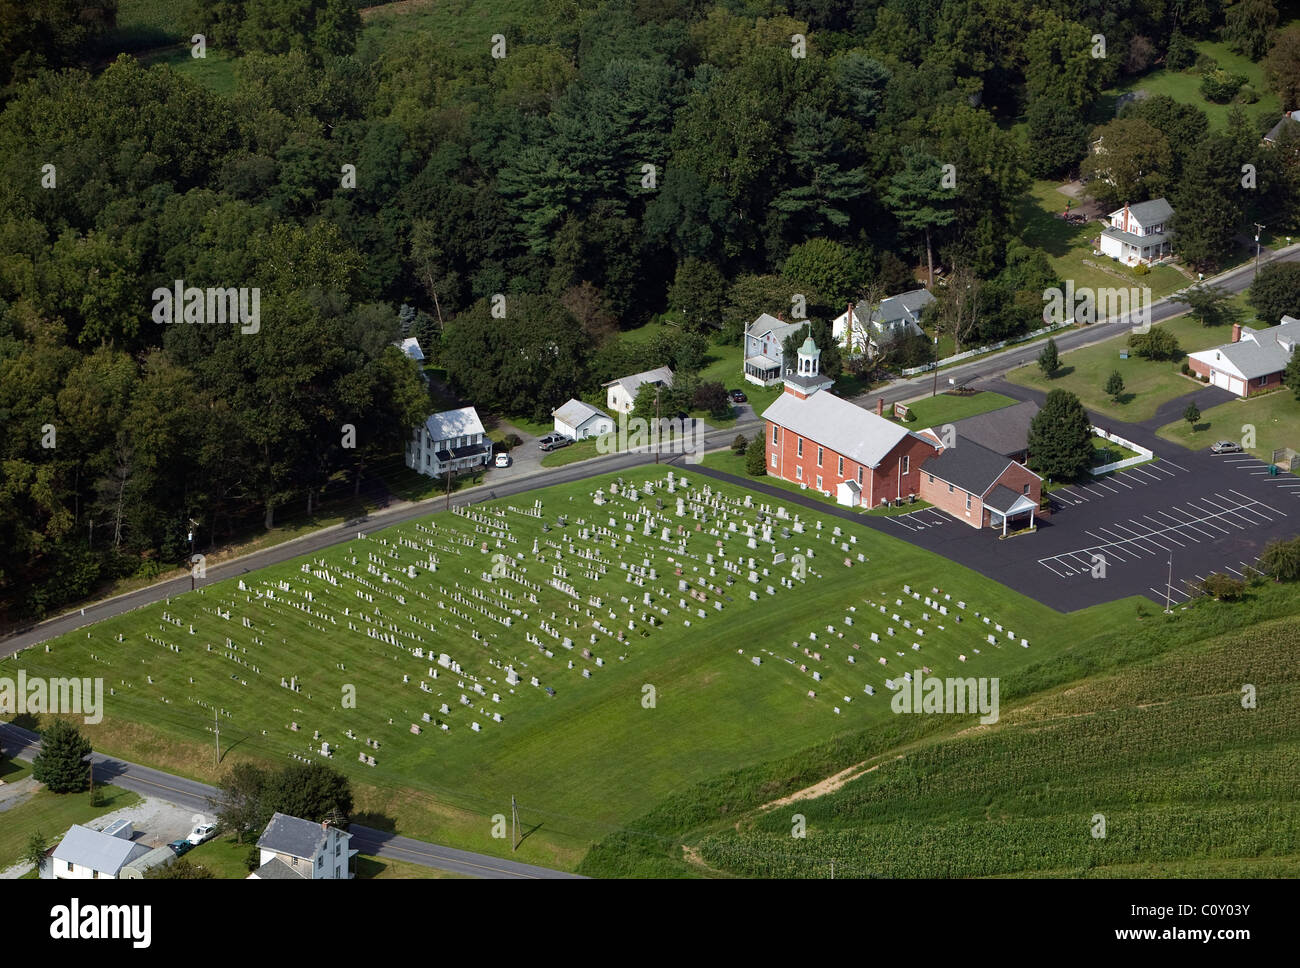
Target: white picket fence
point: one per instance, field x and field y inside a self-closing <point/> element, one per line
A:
<point x="1142" y="453"/>
<point x="992" y="347"/>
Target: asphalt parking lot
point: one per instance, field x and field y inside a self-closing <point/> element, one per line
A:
<point x="1117" y="535"/>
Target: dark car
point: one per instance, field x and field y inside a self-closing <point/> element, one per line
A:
<point x="1225" y="447"/>
<point x="181" y="846"/>
<point x="738" y="396"/>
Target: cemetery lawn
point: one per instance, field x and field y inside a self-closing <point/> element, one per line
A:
<point x="1275" y="417"/>
<point x="52" y="814"/>
<point x="1147" y="383"/>
<point x="587" y="761"/>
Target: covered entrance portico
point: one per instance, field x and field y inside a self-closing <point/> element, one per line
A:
<point x="1004" y="504"/>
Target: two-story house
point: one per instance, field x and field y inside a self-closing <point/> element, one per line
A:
<point x="620" y="394"/>
<point x="1139" y="233"/>
<point x="292" y="848"/>
<point x="453" y="440"/>
<point x="764" y="354"/>
<point x="894" y="317"/>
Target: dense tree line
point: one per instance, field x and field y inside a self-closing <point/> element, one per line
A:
<point x="622" y="160"/>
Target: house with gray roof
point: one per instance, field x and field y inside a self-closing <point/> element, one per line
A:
<point x="292" y="848"/>
<point x="895" y="316"/>
<point x="1252" y="362"/>
<point x="764" y="353"/>
<point x="621" y="393"/>
<point x="1288" y="129"/>
<point x="453" y="440"/>
<point x="578" y="420"/>
<point x="1139" y="234"/>
<point x="86" y="854"/>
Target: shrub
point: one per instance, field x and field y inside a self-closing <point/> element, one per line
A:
<point x="739" y="444"/>
<point x="756" y="457"/>
<point x="1221" y="86"/>
<point x="1223" y="587"/>
<point x="1281" y="559"/>
<point x="1185" y="369"/>
<point x="1204" y="63"/>
<point x="1247" y="94"/>
<point x="1141" y="269"/>
<point x="1155" y="344"/>
<point x="1181" y="53"/>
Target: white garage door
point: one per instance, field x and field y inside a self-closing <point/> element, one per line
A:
<point x="1220" y="379"/>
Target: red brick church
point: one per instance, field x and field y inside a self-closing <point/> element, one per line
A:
<point x="825" y="443"/>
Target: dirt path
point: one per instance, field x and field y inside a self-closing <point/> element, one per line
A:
<point x="828" y="785"/>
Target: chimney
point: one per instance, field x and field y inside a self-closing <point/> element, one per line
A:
<point x="1236" y="332"/>
<point x="880" y="406"/>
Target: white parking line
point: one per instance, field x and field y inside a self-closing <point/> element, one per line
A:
<point x="1185" y="527"/>
<point x="1169" y="535"/>
<point x="1251" y="500"/>
<point x="1165" y="460"/>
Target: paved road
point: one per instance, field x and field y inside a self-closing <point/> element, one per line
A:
<point x="1235" y="280"/>
<point x="23" y="744"/>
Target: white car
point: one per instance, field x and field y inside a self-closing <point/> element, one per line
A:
<point x="202" y="833"/>
<point x="503" y="460"/>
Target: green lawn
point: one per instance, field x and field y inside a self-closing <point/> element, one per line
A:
<point x="216" y="70"/>
<point x="1185" y="87"/>
<point x="715" y="711"/>
<point x="948" y="407"/>
<point x="1109" y="452"/>
<point x="581" y="450"/>
<point x="1147" y="383"/>
<point x="52" y="814"/>
<point x="385" y="868"/>
<point x="225" y="858"/>
<point x="1069" y="247"/>
<point x="1275" y="417"/>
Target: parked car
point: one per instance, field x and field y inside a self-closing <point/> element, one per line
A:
<point x="1225" y="447"/>
<point x="738" y="396"/>
<point x="180" y="847"/>
<point x="503" y="460"/>
<point x="202" y="834"/>
<point x="554" y="442"/>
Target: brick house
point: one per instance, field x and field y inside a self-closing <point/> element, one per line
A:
<point x="1252" y="362"/>
<point x="980" y="486"/>
<point x="820" y="441"/>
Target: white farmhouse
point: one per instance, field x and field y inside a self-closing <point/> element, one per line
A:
<point x="451" y="440"/>
<point x="1139" y="233"/>
<point x="295" y="849"/>
<point x="764" y="348"/>
<point x="621" y="393"/>
<point x="578" y="420"/>
<point x="894" y="317"/>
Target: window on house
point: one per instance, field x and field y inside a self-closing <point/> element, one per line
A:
<point x="1026" y="490"/>
<point x="774" y="460"/>
<point x="950" y="488"/>
<point x="774" y="433"/>
<point x="840" y="469"/>
<point x="859" y="475"/>
<point x="931" y="476"/>
<point x="798" y="473"/>
<point x="819" y="457"/>
<point x="907" y="464"/>
<point x="967" y="502"/>
<point x="819" y="482"/>
<point x="798" y="447"/>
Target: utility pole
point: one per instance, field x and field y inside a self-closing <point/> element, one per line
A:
<point x="658" y="426"/>
<point x="1258" y="231"/>
<point x="448" y="487"/>
<point x="216" y="728"/>
<point x="514" y="824"/>
<point x="1169" y="587"/>
<point x="935" y="391"/>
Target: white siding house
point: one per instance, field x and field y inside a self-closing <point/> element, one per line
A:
<point x="894" y="317"/>
<point x="452" y="440"/>
<point x="621" y="393"/>
<point x="1139" y="233"/>
<point x="294" y="849"/>
<point x="764" y="354"/>
<point x="578" y="420"/>
<point x="86" y="854"/>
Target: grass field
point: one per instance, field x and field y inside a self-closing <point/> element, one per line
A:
<point x="1147" y="383"/>
<point x="715" y="711"/>
<point x="1186" y="779"/>
<point x="52" y="814"/>
<point x="1185" y="87"/>
<point x="1274" y="416"/>
<point x="949" y="407"/>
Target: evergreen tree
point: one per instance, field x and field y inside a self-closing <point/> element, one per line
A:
<point x="61" y="764"/>
<point x="1115" y="385"/>
<point x="1060" y="437"/>
<point x="1049" y="360"/>
<point x="1192" y="414"/>
<point x="756" y="457"/>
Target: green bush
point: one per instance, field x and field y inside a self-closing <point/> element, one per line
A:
<point x="1141" y="269"/>
<point x="1221" y="86"/>
<point x="756" y="457"/>
<point x="1223" y="587"/>
<point x="1247" y="94"/>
